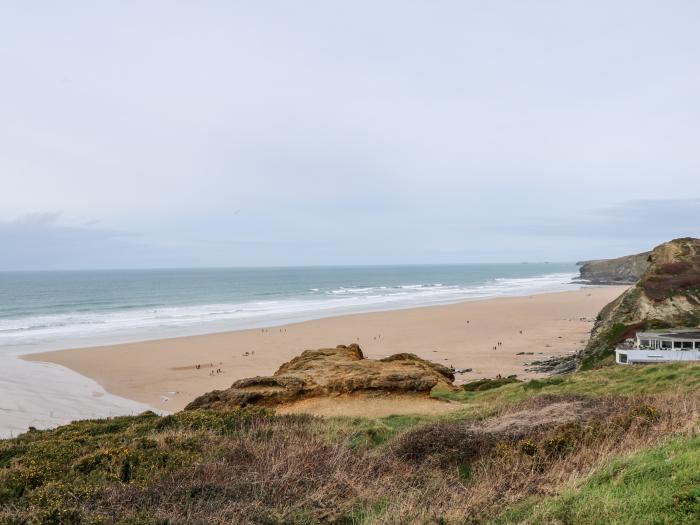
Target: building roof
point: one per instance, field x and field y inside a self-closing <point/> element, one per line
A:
<point x="693" y="335"/>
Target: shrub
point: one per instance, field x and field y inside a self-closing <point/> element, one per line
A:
<point x="538" y="384"/>
<point x="481" y="385"/>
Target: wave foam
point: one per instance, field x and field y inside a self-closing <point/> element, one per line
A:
<point x="85" y="327"/>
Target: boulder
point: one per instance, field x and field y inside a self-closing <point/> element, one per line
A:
<point x="331" y="372"/>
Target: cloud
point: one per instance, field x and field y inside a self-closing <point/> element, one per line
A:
<point x="645" y="218"/>
<point x="40" y="240"/>
<point x="501" y="133"/>
<point x="36" y="219"/>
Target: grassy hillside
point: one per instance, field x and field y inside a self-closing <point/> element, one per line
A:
<point x="512" y="455"/>
<point x="657" y="485"/>
<point x="617" y="380"/>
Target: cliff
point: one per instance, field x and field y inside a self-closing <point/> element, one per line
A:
<point x="622" y="270"/>
<point x="667" y="295"/>
<point x="331" y="372"/>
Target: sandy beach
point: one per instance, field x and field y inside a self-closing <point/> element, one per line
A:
<point x="168" y="373"/>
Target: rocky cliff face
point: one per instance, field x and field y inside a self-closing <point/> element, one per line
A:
<point x="666" y="296"/>
<point x="623" y="270"/>
<point x="331" y="372"/>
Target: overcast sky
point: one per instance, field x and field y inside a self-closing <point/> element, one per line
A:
<point x="152" y="134"/>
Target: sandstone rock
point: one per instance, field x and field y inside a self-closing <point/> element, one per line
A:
<point x="331" y="372"/>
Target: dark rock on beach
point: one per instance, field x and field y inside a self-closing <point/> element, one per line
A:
<point x="554" y="365"/>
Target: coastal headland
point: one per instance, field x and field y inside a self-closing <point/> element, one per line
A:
<point x="489" y="337"/>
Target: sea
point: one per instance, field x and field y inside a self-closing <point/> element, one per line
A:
<point x="42" y="311"/>
<point x="53" y="310"/>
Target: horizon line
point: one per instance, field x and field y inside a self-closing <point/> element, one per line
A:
<point x="272" y="267"/>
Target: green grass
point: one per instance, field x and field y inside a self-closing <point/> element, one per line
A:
<point x="481" y="385"/>
<point x="616" y="380"/>
<point x="80" y="467"/>
<point x="656" y="486"/>
<point x="361" y="432"/>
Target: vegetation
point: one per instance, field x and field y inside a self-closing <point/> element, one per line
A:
<point x="658" y="485"/>
<point x="601" y="346"/>
<point x="666" y="296"/>
<point x="671" y="278"/>
<point x="543" y="451"/>
<point x="649" y="379"/>
<point x="487" y="384"/>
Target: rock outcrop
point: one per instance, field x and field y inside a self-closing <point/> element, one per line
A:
<point x="622" y="270"/>
<point x="666" y="296"/>
<point x="331" y="372"/>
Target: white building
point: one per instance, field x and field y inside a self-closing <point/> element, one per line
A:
<point x="660" y="347"/>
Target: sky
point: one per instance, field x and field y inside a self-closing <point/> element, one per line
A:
<point x="273" y="133"/>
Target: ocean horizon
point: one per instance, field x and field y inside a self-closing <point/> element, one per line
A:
<point x="50" y="310"/>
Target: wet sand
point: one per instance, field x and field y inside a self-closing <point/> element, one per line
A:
<point x="168" y="373"/>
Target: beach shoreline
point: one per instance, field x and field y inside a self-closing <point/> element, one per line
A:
<point x="168" y="373"/>
<point x="122" y="307"/>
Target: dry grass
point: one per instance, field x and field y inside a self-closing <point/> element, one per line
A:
<point x="556" y="458"/>
<point x="284" y="469"/>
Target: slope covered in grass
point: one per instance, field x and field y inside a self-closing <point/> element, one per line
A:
<point x="658" y="485"/>
<point x="616" y="380"/>
<point x="527" y="442"/>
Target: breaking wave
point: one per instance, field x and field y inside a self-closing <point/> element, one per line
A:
<point x="83" y="326"/>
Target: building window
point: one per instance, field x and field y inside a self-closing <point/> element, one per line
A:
<point x="677" y="344"/>
<point x="687" y="345"/>
<point x="666" y="344"/>
<point x="644" y="342"/>
<point x="623" y="358"/>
